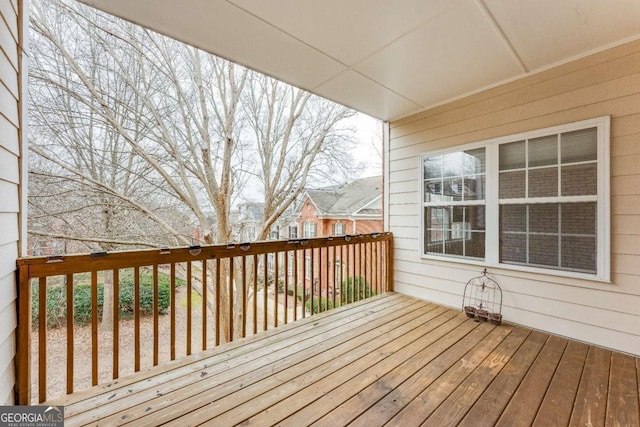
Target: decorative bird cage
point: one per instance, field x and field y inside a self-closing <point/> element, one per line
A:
<point x="482" y="299"/>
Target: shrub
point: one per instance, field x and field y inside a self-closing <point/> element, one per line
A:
<point x="57" y="297"/>
<point x="319" y="304"/>
<point x="355" y="289"/>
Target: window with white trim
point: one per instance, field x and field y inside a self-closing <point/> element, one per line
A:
<point x="274" y="232"/>
<point x="308" y="230"/>
<point x="536" y="201"/>
<point x="307" y="267"/>
<point x="338" y="229"/>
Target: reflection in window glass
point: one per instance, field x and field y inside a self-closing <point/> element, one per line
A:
<point x="512" y="155"/>
<point x="579" y="146"/>
<point x="543" y="151"/>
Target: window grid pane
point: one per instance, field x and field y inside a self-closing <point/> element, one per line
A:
<point x="559" y="236"/>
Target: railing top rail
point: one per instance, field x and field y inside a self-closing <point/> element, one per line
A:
<point x="69" y="264"/>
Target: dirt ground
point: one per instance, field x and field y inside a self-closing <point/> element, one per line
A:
<point x="57" y="344"/>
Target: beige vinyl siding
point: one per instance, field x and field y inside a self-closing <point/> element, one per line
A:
<point x="606" y="83"/>
<point x="10" y="186"/>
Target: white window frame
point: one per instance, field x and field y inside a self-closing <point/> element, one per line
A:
<point x="312" y="227"/>
<point x="307" y="267"/>
<point x="335" y="229"/>
<point x="274" y="232"/>
<point x="492" y="201"/>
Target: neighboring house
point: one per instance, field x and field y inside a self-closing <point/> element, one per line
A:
<point x="353" y="208"/>
<point x="247" y="223"/>
<point x="350" y="209"/>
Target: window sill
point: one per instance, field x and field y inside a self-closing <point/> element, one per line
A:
<point x="520" y="268"/>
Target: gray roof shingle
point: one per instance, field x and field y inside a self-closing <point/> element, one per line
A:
<point x="348" y="198"/>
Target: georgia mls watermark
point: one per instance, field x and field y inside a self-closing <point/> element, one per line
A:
<point x="31" y="416"/>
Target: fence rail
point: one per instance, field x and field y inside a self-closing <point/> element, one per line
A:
<point x="228" y="292"/>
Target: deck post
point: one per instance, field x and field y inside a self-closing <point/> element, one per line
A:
<point x="23" y="356"/>
<point x="390" y="264"/>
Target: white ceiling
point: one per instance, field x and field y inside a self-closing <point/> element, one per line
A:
<point x="390" y="58"/>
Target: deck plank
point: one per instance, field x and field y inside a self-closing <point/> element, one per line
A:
<point x="323" y="377"/>
<point x="458" y="360"/>
<point x="526" y="400"/>
<point x="454" y="408"/>
<point x="489" y="406"/>
<point x="622" y="402"/>
<point x="557" y="404"/>
<point x="591" y="400"/>
<point x="356" y="395"/>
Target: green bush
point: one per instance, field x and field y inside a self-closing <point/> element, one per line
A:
<point x="57" y="297"/>
<point x="355" y="289"/>
<point x="319" y="304"/>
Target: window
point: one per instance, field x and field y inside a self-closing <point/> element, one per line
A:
<point x="307" y="267"/>
<point x="309" y="230"/>
<point x="274" y="232"/>
<point x="293" y="232"/>
<point x="535" y="201"/>
<point x="454" y="200"/>
<point x="290" y="263"/>
<point x="338" y="229"/>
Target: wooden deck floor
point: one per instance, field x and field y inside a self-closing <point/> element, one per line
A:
<point x="391" y="360"/>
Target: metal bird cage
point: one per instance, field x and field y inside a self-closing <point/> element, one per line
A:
<point x="482" y="299"/>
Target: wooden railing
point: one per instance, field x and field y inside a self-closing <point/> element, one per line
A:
<point x="174" y="302"/>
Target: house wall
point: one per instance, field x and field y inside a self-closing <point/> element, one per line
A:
<point x="10" y="188"/>
<point x="368" y="226"/>
<point x="606" y="83"/>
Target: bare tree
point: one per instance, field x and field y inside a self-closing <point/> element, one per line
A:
<point x="144" y="126"/>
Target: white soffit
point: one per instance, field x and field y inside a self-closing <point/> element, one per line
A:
<point x="390" y="58"/>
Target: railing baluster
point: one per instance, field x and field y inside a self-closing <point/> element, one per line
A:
<point x="367" y="276"/>
<point x="333" y="272"/>
<point x="321" y="269"/>
<point x="313" y="284"/>
<point x="304" y="283"/>
<point x="116" y="323"/>
<point x="204" y="304"/>
<point x="286" y="287"/>
<point x="351" y="287"/>
<point x="230" y="287"/>
<point x="94" y="327"/>
<point x="276" y="255"/>
<point x="374" y="267"/>
<point x="217" y="301"/>
<point x="296" y="276"/>
<point x="42" y="339"/>
<point x="360" y="273"/>
<point x="173" y="310"/>
<point x="156" y="309"/>
<point x="244" y="297"/>
<point x="255" y="294"/>
<point x="136" y="311"/>
<point x="189" y="314"/>
<point x="70" y="334"/>
<point x="265" y="282"/>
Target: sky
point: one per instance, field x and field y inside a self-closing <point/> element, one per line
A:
<point x="369" y="147"/>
